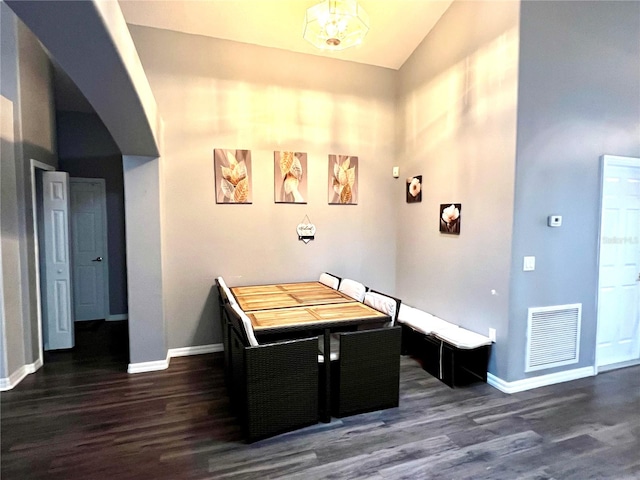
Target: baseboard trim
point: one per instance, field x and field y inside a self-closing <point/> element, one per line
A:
<point x="197" y="350"/>
<point x="539" y="381"/>
<point x="143" y="367"/>
<point x="118" y="316"/>
<point x="16" y="377"/>
<point x="615" y="366"/>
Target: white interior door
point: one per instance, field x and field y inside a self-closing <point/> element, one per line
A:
<point x="57" y="308"/>
<point x="618" y="338"/>
<point x="89" y="248"/>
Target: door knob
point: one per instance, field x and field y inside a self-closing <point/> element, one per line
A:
<point x="97" y="259"/>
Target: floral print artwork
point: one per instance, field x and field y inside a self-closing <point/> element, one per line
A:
<point x="450" y="218"/>
<point x="343" y="180"/>
<point x="233" y="175"/>
<point x="414" y="189"/>
<point x="290" y="177"/>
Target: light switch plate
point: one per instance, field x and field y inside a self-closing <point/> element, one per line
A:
<point x="529" y="264"/>
<point x="396" y="172"/>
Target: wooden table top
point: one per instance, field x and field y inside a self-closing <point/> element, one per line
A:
<point x="279" y="288"/>
<point x="316" y="315"/>
<point x="287" y="295"/>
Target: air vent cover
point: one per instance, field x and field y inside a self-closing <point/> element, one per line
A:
<point x="553" y="336"/>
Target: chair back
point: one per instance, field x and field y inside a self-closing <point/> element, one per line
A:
<point x="329" y="280"/>
<point x="355" y="290"/>
<point x="383" y="303"/>
<point x="224" y="291"/>
<point x="224" y="298"/>
<point x="368" y="376"/>
<point x="242" y="323"/>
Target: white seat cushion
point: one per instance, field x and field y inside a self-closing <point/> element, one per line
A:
<point x="354" y="289"/>
<point x="230" y="297"/>
<point x="334" y="346"/>
<point x="329" y="280"/>
<point x="423" y="322"/>
<point x="463" y="338"/>
<point x="227" y="291"/>
<point x="246" y="323"/>
<point x="222" y="283"/>
<point x="382" y="303"/>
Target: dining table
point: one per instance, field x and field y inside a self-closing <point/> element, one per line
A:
<point x="290" y="307"/>
<point x="287" y="295"/>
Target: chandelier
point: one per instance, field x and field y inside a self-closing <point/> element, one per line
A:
<point x="335" y="24"/>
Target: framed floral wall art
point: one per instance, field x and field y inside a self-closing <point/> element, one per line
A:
<point x="290" y="177"/>
<point x="450" y="218"/>
<point x="414" y="189"/>
<point x="343" y="180"/>
<point x="233" y="175"/>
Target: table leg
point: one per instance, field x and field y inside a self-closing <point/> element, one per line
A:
<point x="326" y="414"/>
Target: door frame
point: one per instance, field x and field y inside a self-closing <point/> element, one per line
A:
<point x="105" y="237"/>
<point x="604" y="162"/>
<point x="35" y="164"/>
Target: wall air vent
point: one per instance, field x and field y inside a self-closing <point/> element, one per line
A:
<point x="553" y="336"/>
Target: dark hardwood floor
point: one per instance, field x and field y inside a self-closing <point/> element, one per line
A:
<point x="83" y="417"/>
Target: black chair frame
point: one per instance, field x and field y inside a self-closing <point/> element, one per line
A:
<point x="275" y="385"/>
<point x="367" y="375"/>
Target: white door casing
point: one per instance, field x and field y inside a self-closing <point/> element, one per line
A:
<point x="58" y="312"/>
<point x="618" y="334"/>
<point x="89" y="248"/>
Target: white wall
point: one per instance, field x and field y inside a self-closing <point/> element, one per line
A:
<point x="36" y="140"/>
<point x="579" y="99"/>
<point x="27" y="108"/>
<point x="221" y="94"/>
<point x="457" y="128"/>
<point x="12" y="344"/>
<point x="142" y="190"/>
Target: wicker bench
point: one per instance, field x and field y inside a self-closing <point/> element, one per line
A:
<point x="454" y="355"/>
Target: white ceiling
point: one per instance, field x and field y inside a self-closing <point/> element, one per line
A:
<point x="397" y="26"/>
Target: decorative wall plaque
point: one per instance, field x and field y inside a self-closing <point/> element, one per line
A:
<point x="306" y="230"/>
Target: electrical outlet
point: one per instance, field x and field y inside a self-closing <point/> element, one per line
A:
<point x="554" y="220"/>
<point x="492" y="334"/>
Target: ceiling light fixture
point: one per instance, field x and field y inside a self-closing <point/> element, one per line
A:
<point x="335" y="24"/>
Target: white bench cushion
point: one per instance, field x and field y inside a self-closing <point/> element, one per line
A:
<point x="463" y="338"/>
<point x="423" y="322"/>
<point x="382" y="303"/>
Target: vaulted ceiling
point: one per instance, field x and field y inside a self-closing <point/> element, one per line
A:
<point x="397" y="26"/>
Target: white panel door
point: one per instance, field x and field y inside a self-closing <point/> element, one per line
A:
<point x="89" y="248"/>
<point x="57" y="310"/>
<point x="618" y="338"/>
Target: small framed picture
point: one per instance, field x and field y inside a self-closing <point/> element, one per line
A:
<point x="450" y="218"/>
<point x="290" y="177"/>
<point x="343" y="180"/>
<point x="233" y="175"/>
<point x="414" y="189"/>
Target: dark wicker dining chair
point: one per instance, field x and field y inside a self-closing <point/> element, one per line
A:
<point x="223" y="300"/>
<point x="275" y="385"/>
<point x="367" y="374"/>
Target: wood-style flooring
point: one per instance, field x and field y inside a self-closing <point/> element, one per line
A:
<point x="82" y="416"/>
